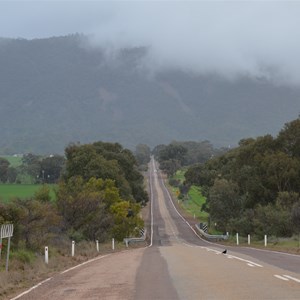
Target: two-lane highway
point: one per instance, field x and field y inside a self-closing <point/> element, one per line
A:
<point x="177" y="264"/>
<point x="198" y="270"/>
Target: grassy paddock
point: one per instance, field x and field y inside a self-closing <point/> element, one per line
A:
<point x="22" y="191"/>
<point x="14" y="161"/>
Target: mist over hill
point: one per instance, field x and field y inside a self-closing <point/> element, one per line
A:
<point x="59" y="90"/>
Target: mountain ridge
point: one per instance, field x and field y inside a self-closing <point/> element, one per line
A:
<point x="57" y="91"/>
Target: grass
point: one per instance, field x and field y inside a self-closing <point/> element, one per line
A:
<point x="14" y="161"/>
<point x="194" y="202"/>
<point x="22" y="191"/>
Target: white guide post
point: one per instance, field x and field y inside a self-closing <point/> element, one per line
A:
<point x="73" y="248"/>
<point x="113" y="244"/>
<point x="248" y="239"/>
<point x="237" y="239"/>
<point x="46" y="255"/>
<point x="97" y="245"/>
<point x="265" y="240"/>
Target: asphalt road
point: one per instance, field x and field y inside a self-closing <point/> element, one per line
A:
<point x="199" y="270"/>
<point x="177" y="264"/>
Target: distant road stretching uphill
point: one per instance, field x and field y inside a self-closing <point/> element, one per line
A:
<point x="177" y="265"/>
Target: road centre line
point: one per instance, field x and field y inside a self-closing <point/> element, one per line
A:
<point x="281" y="277"/>
<point x="292" y="278"/>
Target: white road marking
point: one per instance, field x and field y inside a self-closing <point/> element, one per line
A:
<point x="86" y="262"/>
<point x="281" y="277"/>
<point x="292" y="278"/>
<point x="34" y="287"/>
<point x="250" y="265"/>
<point x="247" y="261"/>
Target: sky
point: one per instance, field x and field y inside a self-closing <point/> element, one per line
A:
<point x="256" y="38"/>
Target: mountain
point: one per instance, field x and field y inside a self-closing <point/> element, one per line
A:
<point x="58" y="90"/>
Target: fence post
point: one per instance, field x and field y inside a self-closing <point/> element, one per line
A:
<point x="46" y="255"/>
<point x="73" y="248"/>
<point x="237" y="239"/>
<point x="248" y="239"/>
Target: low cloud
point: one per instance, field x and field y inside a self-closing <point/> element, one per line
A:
<point x="255" y="38"/>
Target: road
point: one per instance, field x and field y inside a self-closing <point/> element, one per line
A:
<point x="177" y="264"/>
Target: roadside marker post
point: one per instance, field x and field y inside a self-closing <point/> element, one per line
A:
<point x="97" y="245"/>
<point x="73" y="248"/>
<point x="266" y="240"/>
<point x="113" y="244"/>
<point x="248" y="239"/>
<point x="237" y="239"/>
<point x="46" y="255"/>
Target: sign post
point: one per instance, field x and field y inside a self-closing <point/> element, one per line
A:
<point x="6" y="231"/>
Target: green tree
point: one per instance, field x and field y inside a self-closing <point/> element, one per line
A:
<point x="84" y="206"/>
<point x="43" y="194"/>
<point x="4" y="165"/>
<point x="289" y="138"/>
<point x="126" y="219"/>
<point x="142" y="154"/>
<point x="35" y="222"/>
<point x="51" y="168"/>
<point x="224" y="202"/>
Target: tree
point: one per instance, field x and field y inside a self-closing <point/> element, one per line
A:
<point x="289" y="138"/>
<point x="224" y="202"/>
<point x="12" y="174"/>
<point x="34" y="222"/>
<point x="142" y="154"/>
<point x="106" y="161"/>
<point x="43" y="194"/>
<point x="4" y="165"/>
<point x="126" y="219"/>
<point x="51" y="168"/>
<point x="32" y="166"/>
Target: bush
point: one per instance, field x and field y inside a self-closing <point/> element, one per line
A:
<point x="24" y="256"/>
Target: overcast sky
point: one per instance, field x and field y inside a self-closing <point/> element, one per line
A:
<point x="229" y="37"/>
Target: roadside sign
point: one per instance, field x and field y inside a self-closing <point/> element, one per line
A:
<point x="6" y="231"/>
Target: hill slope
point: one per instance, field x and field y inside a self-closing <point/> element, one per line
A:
<point x="55" y="91"/>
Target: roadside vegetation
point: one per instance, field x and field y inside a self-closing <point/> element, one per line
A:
<point x="251" y="189"/>
<point x="98" y="194"/>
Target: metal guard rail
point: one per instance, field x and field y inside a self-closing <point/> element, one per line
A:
<point x="211" y="237"/>
<point x="135" y="240"/>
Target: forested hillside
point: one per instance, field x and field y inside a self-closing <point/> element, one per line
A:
<point x="59" y="90"/>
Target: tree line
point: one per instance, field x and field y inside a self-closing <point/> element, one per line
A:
<point x="98" y="196"/>
<point x="255" y="187"/>
<point x="33" y="169"/>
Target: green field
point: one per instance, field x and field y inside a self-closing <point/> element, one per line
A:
<point x="14" y="161"/>
<point x="22" y="191"/>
